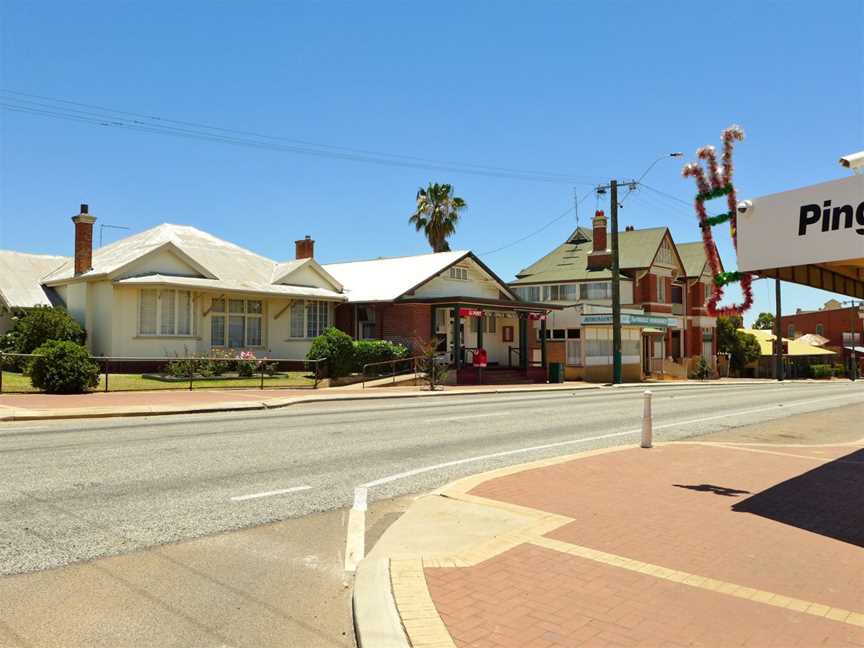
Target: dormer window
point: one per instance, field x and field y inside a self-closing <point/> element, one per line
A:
<point x="460" y="273"/>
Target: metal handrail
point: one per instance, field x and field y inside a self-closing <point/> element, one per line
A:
<point x="106" y="361"/>
<point x="389" y="362"/>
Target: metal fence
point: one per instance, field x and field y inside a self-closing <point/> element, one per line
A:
<point x="181" y="372"/>
<point x="392" y="368"/>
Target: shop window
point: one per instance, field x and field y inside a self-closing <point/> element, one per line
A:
<point x="559" y="334"/>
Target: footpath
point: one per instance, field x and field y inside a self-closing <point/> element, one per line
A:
<point x="36" y="406"/>
<point x="749" y="537"/>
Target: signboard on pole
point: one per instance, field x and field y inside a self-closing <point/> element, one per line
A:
<point x="821" y="223"/>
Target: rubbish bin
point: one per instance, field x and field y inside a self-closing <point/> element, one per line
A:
<point x="556" y="372"/>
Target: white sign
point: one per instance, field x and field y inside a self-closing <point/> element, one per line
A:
<point x="816" y="224"/>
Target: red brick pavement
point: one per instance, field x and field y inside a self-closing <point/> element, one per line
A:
<point x="532" y="597"/>
<point x="788" y="520"/>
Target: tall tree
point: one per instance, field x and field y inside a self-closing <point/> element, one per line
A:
<point x="743" y="348"/>
<point x="765" y="322"/>
<point x="437" y="214"/>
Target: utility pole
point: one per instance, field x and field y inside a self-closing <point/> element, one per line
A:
<point x="853" y="368"/>
<point x="778" y="334"/>
<point x="616" y="287"/>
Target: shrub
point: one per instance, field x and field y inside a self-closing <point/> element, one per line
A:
<point x="63" y="367"/>
<point x="434" y="368"/>
<point x="702" y="370"/>
<point x="366" y="351"/>
<point x="337" y="348"/>
<point x="246" y="364"/>
<point x="821" y="371"/>
<point x="38" y="326"/>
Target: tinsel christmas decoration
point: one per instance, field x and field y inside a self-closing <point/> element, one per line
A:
<point x="715" y="181"/>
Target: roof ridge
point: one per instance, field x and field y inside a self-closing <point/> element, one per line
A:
<point x="402" y="256"/>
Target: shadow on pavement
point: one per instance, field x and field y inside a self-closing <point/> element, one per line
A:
<point x="825" y="500"/>
<point x="711" y="488"/>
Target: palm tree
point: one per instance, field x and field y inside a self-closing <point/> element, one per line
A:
<point x="437" y="214"/>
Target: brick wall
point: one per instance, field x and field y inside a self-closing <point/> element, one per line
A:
<point x="343" y="318"/>
<point x="834" y="323"/>
<point x="405" y="323"/>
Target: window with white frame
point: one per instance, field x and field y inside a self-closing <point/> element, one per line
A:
<point x="459" y="272"/>
<point x="661" y="290"/>
<point x="165" y="312"/>
<point x="236" y="323"/>
<point x="309" y="318"/>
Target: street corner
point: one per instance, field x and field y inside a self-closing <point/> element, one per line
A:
<point x="630" y="547"/>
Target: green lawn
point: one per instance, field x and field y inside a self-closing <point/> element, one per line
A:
<point x="16" y="382"/>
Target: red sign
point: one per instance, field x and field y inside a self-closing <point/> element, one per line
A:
<point x="537" y="316"/>
<point x="470" y="312"/>
<point x="481" y="358"/>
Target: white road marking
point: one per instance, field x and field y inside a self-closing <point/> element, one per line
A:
<point x="241" y="498"/>
<point x="466" y="416"/>
<point x="611" y="435"/>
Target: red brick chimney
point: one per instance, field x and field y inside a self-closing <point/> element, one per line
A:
<point x="305" y="248"/>
<point x="83" y="240"/>
<point x="600" y="256"/>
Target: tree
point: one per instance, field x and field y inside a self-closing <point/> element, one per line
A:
<point x="39" y="325"/>
<point x="743" y="348"/>
<point x="336" y="348"/>
<point x="63" y="367"/>
<point x="437" y="214"/>
<point x="764" y="322"/>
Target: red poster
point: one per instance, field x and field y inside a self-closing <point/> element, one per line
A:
<point x="537" y="316"/>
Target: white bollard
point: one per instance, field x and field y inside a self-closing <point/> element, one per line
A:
<point x="647" y="429"/>
<point x="361" y="496"/>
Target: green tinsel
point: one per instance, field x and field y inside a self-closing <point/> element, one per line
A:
<point x="714" y="193"/>
<point x="724" y="278"/>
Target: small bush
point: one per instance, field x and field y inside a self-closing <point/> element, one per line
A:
<point x="337" y="348"/>
<point x="821" y="371"/>
<point x="246" y="364"/>
<point x="63" y="367"/>
<point x="367" y="351"/>
<point x="702" y="370"/>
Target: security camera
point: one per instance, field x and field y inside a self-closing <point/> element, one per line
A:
<point x="744" y="206"/>
<point x="853" y="161"/>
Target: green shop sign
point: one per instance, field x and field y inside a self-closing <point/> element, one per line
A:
<point x="654" y="321"/>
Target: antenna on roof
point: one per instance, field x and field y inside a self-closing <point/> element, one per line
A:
<point x="102" y="226"/>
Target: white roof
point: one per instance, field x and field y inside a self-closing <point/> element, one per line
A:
<point x="389" y="278"/>
<point x="233" y="286"/>
<point x="226" y="264"/>
<point x="20" y="278"/>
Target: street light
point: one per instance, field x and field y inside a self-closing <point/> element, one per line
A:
<point x="616" y="283"/>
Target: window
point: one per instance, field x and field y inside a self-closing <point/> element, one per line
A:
<point x="147" y="312"/>
<point x="574" y="353"/>
<point x="596" y="290"/>
<point x="506" y="333"/>
<point x="790" y="332"/>
<point x="241" y="326"/>
<point x="459" y="272"/>
<point x="664" y="255"/>
<point x="164" y="312"/>
<point x="677" y="294"/>
<point x="820" y="330"/>
<point x="309" y="318"/>
<point x="661" y="290"/>
<point x="559" y="334"/>
<point x="490" y="325"/>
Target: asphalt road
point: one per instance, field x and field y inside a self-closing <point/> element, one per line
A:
<point x="79" y="490"/>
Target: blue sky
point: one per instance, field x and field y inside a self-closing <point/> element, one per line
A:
<point x="586" y="91"/>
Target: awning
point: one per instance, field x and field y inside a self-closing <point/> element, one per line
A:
<point x="857" y="349"/>
<point x="654" y="331"/>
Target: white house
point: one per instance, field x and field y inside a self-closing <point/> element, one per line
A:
<point x="173" y="290"/>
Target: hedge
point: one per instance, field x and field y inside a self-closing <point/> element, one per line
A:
<point x="63" y="367"/>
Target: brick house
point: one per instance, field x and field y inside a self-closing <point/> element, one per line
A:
<point x="663" y="288"/>
<point x="450" y="298"/>
<point x="842" y="327"/>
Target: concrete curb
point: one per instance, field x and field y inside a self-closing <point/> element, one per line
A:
<point x="23" y="414"/>
<point x="377" y="623"/>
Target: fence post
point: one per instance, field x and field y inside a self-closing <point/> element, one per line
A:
<point x="317" y="362"/>
<point x="647" y="425"/>
<point x="1" y="371"/>
<point x="105" y="361"/>
<point x="262" y="374"/>
<point x="191" y="364"/>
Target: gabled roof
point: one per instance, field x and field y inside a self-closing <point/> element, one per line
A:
<point x="20" y="278"/>
<point x="693" y="258"/>
<point x="214" y="256"/>
<point x="283" y="271"/>
<point x="387" y="279"/>
<point x="569" y="261"/>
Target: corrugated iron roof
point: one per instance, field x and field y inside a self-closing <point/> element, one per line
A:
<point x="796" y="347"/>
<point x="233" y="286"/>
<point x="389" y="278"/>
<point x="20" y="278"/>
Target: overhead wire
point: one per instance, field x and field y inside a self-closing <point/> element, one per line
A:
<point x="141" y="122"/>
<point x="573" y="207"/>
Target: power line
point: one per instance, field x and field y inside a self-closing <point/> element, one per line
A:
<point x="127" y="120"/>
<point x="573" y="207"/>
<point x="667" y="195"/>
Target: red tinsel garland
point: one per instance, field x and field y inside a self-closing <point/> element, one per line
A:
<point x="718" y="178"/>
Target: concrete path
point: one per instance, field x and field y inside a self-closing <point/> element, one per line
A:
<point x="39" y="406"/>
<point x="749" y="542"/>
